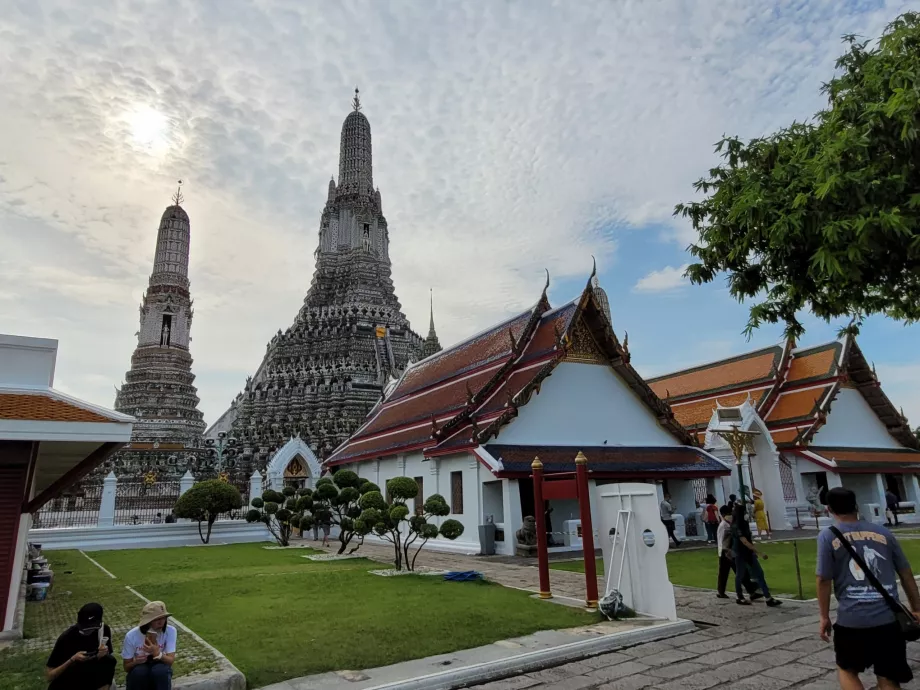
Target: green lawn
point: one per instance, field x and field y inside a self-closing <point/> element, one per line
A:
<point x="276" y="615"/>
<point x="699" y="567"/>
<point x="76" y="582"/>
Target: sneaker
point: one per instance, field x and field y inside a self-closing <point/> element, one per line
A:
<point x="721" y="596"/>
<point x="774" y="602"/>
<point x="756" y="595"/>
<point x="743" y="602"/>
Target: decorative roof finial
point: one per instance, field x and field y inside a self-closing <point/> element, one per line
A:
<point x="356" y="101"/>
<point x="177" y="197"/>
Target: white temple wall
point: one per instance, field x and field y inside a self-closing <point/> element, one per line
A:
<point x="868" y="491"/>
<point x="436" y="478"/>
<point x="852" y="423"/>
<point x="585" y="405"/>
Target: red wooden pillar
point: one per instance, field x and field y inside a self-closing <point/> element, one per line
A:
<point x="540" y="518"/>
<point x="587" y="529"/>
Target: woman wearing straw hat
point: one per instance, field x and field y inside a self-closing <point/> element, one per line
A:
<point x="150" y="650"/>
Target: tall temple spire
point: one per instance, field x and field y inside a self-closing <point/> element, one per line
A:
<point x="159" y="388"/>
<point x="355" y="160"/>
<point x="431" y="345"/>
<point x="321" y="376"/>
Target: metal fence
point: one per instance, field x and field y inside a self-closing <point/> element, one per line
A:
<point x="787" y="480"/>
<point x="77" y="507"/>
<point x="243" y="486"/>
<point x="137" y="502"/>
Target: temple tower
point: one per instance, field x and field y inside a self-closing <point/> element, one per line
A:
<point x="321" y="376"/>
<point x="159" y="388"/>
<point x="431" y="345"/>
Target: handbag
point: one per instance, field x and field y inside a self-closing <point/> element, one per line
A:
<point x="910" y="626"/>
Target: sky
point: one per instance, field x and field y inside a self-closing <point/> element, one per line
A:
<point x="509" y="138"/>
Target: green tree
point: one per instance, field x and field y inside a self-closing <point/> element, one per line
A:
<point x="205" y="501"/>
<point x="917" y="433"/>
<point x="825" y="214"/>
<point x="335" y="501"/>
<point x="280" y="511"/>
<point x="393" y="521"/>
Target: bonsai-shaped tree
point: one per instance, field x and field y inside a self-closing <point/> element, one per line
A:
<point x="335" y="502"/>
<point x="392" y="522"/>
<point x="276" y="510"/>
<point x="205" y="501"/>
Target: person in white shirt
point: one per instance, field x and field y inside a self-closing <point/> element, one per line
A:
<point x="149" y="650"/>
<point x="727" y="558"/>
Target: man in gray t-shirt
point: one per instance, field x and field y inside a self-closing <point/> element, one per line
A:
<point x="865" y="634"/>
<point x="666" y="511"/>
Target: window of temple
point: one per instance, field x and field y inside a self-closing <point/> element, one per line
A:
<point x="456" y="493"/>
<point x="420" y="496"/>
<point x="165" y="330"/>
<point x="367" y="229"/>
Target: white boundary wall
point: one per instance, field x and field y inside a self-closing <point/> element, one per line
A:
<point x="147" y="536"/>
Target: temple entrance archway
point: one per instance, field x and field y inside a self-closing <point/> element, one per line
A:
<point x="294" y="464"/>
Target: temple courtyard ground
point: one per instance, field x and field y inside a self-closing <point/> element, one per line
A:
<point x="278" y="616"/>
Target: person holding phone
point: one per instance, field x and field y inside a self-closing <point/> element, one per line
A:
<point x="149" y="650"/>
<point x="82" y="656"/>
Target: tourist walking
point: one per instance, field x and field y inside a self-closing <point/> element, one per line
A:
<point x="861" y="560"/>
<point x="891" y="503"/>
<point x="82" y="656"/>
<point x="666" y="510"/>
<point x="711" y="519"/>
<point x="326" y="526"/>
<point x="149" y="650"/>
<point x="760" y="515"/>
<point x="746" y="558"/>
<point x="727" y="558"/>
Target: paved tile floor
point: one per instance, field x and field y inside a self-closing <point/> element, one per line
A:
<point x="745" y="648"/>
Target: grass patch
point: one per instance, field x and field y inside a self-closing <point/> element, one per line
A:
<point x="277" y="615"/>
<point x="699" y="567"/>
<point x="76" y="582"/>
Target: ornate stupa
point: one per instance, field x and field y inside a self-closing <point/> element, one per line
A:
<point x="159" y="388"/>
<point x="321" y="376"/>
<point x="431" y="344"/>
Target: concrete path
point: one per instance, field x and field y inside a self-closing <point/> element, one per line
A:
<point x="751" y="648"/>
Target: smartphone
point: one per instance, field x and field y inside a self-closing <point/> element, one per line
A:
<point x="93" y="654"/>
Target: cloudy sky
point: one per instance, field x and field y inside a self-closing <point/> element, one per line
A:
<point x="508" y="137"/>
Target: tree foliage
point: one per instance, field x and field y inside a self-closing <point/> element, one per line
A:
<point x="335" y="502"/>
<point x="205" y="501"/>
<point x="277" y="511"/>
<point x="825" y="214"/>
<point x="394" y="522"/>
<point x="917" y="433"/>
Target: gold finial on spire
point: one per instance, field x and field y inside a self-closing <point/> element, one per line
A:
<point x="177" y="197"/>
<point x="356" y="101"/>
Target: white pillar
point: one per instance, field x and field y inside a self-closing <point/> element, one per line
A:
<point x="912" y="486"/>
<point x="512" y="518"/>
<point x="107" y="506"/>
<point x="186" y="482"/>
<point x="880" y="489"/>
<point x="255" y="485"/>
<point x="833" y="480"/>
<point x="801" y="495"/>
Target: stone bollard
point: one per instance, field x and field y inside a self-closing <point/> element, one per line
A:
<point x="107" y="505"/>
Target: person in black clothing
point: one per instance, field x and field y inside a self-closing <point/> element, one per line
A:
<point x="891" y="502"/>
<point x="727" y="558"/>
<point x="82" y="656"/>
<point x="746" y="555"/>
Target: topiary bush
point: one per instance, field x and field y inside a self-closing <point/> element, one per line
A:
<point x="392" y="521"/>
<point x="274" y="511"/>
<point x="336" y="501"/>
<point x="205" y="501"/>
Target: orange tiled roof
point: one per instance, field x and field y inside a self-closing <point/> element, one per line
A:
<point x="735" y="372"/>
<point x="784" y="436"/>
<point x="797" y="404"/>
<point x="36" y="407"/>
<point x="813" y="364"/>
<point x="695" y="414"/>
<point x="869" y="458"/>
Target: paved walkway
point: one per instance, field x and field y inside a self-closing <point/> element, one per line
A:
<point x="751" y="648"/>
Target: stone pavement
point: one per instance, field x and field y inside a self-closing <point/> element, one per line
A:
<point x="750" y="648"/>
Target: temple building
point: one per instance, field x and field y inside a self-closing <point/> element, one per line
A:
<point x="159" y="390"/>
<point x="321" y="376"/>
<point x="823" y="421"/>
<point x="468" y="421"/>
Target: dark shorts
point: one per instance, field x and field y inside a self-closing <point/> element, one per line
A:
<point x="882" y="648"/>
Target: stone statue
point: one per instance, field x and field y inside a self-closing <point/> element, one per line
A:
<point x="527" y="535"/>
<point x="814" y="501"/>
